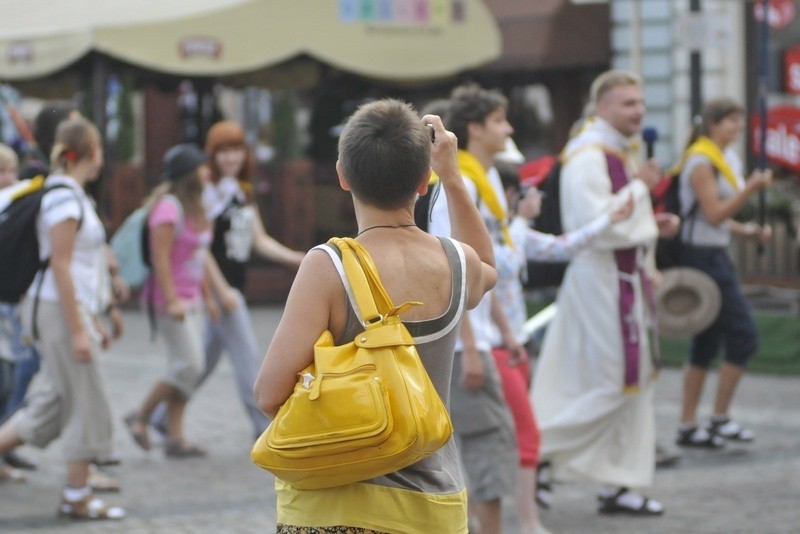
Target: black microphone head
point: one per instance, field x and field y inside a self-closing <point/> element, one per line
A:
<point x="649" y="135"/>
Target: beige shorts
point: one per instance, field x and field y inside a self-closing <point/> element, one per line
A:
<point x="183" y="341"/>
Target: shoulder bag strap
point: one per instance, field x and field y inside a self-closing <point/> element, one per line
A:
<point x="363" y="291"/>
<point x="371" y="297"/>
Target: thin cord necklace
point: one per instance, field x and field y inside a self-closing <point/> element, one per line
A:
<point x="385" y="226"/>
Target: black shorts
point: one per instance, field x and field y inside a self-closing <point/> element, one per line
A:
<point x="734" y="327"/>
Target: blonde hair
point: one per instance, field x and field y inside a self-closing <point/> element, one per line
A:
<point x="7" y="156"/>
<point x="76" y="140"/>
<point x="188" y="189"/>
<point x="610" y="79"/>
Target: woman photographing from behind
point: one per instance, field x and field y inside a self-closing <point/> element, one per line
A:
<point x="385" y="160"/>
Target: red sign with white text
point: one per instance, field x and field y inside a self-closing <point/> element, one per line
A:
<point x="783" y="136"/>
<point x="791" y="69"/>
<point x="780" y="13"/>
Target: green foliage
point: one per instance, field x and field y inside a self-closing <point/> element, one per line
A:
<point x="778" y="351"/>
<point x="780" y="210"/>
<point x="124" y="146"/>
<point x="284" y="126"/>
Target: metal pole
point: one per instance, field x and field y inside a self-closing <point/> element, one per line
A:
<point x="99" y="83"/>
<point x="99" y="92"/>
<point x="636" y="38"/>
<point x="695" y="71"/>
<point x="763" y="43"/>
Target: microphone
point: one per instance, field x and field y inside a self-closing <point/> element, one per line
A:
<point x="650" y="136"/>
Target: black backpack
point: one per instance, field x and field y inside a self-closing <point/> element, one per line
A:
<point x="666" y="199"/>
<point x="19" y="246"/>
<point x="548" y="274"/>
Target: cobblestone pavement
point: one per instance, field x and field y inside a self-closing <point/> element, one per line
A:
<point x="752" y="488"/>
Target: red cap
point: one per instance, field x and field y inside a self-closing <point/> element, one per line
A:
<point x="534" y="172"/>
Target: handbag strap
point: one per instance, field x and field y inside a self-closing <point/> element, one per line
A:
<point x="371" y="297"/>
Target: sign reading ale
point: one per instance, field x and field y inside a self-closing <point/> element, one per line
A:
<point x="783" y="136"/>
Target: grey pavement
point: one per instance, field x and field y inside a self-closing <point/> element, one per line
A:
<point x="753" y="488"/>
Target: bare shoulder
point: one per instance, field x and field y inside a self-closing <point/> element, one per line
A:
<point x="480" y="277"/>
<point x="317" y="270"/>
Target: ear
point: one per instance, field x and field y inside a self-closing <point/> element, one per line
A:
<point x="423" y="186"/>
<point x="342" y="180"/>
<point x="474" y="129"/>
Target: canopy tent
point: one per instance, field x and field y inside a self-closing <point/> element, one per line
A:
<point x="40" y="37"/>
<point x="386" y="39"/>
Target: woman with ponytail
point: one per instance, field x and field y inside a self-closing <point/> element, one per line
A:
<point x="179" y="238"/>
<point x="61" y="309"/>
<point x="712" y="190"/>
<point x="237" y="231"/>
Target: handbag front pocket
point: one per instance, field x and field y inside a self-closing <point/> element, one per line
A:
<point x="355" y="415"/>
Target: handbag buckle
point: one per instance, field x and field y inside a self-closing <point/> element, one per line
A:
<point x="373" y="320"/>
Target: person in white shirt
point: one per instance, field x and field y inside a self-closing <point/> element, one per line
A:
<point x="482" y="423"/>
<point x="64" y="297"/>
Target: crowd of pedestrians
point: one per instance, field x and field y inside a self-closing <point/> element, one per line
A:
<point x="582" y="409"/>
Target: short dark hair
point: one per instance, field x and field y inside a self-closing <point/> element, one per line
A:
<point x="385" y="153"/>
<point x="471" y="103"/>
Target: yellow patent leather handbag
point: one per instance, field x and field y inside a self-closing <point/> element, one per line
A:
<point x="360" y="410"/>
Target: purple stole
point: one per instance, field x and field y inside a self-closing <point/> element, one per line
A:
<point x="627" y="268"/>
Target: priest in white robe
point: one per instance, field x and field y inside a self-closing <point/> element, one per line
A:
<point x="593" y="388"/>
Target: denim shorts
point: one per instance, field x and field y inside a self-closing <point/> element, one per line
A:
<point x="734" y="327"/>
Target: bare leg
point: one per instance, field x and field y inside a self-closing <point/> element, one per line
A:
<point x="729" y="376"/>
<point x="693" y="379"/>
<point x="176" y="407"/>
<point x="9" y="438"/>
<point x="77" y="474"/>
<point x="489" y="516"/>
<point x="527" y="511"/>
<point x="160" y="392"/>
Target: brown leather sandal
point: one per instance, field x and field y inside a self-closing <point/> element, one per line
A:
<point x="12" y="475"/>
<point x="132" y="421"/>
<point x="183" y="449"/>
<point x="89" y="508"/>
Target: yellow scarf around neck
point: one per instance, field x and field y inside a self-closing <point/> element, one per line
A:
<point x="471" y="168"/>
<point x="708" y="148"/>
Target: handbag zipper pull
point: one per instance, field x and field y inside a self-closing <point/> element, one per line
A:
<point x="316" y="385"/>
<point x="307" y="379"/>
